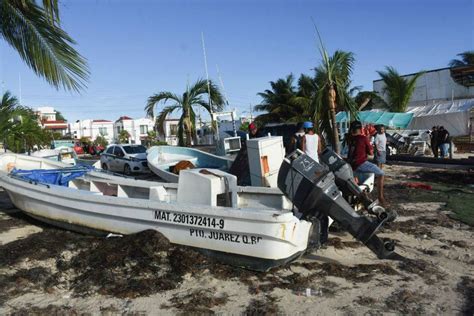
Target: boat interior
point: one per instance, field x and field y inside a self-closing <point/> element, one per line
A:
<point x="166" y="159"/>
<point x="195" y="186"/>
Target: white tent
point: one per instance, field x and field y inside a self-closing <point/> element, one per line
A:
<point x="453" y="115"/>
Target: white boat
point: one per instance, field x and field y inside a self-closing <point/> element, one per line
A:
<point x="64" y="154"/>
<point x="163" y="159"/>
<point x="10" y="161"/>
<point x="246" y="226"/>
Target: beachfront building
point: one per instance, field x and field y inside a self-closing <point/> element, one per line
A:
<point x="137" y="128"/>
<point x="47" y="120"/>
<point x="93" y="128"/>
<point x="170" y="135"/>
<point x="441" y="97"/>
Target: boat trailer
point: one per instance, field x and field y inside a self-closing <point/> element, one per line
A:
<point x="316" y="190"/>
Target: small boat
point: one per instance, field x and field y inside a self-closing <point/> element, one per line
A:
<point x="10" y="161"/>
<point x="64" y="154"/>
<point x="245" y="226"/>
<point x="167" y="161"/>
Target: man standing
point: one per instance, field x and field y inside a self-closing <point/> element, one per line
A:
<point x="311" y="142"/>
<point x="443" y="141"/>
<point x="359" y="148"/>
<point x="380" y="142"/>
<point x="296" y="141"/>
<point x="253" y="130"/>
<point x="434" y="141"/>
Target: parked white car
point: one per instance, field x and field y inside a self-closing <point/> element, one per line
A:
<point x="127" y="159"/>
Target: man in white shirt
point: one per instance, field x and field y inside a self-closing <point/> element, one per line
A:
<point x="380" y="142"/>
<point x="311" y="142"/>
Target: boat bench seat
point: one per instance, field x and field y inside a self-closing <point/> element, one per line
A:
<point x="211" y="187"/>
<point x="158" y="193"/>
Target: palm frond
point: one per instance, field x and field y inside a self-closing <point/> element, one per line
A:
<point x="397" y="88"/>
<point x="156" y="98"/>
<point x="161" y="118"/>
<point x="467" y="59"/>
<point x="44" y="47"/>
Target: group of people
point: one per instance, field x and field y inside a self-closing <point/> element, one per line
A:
<point x="440" y="142"/>
<point x="359" y="145"/>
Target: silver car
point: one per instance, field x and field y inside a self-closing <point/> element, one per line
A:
<point x="127" y="159"/>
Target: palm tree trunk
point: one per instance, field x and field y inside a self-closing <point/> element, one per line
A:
<point x="332" y="110"/>
<point x="364" y="103"/>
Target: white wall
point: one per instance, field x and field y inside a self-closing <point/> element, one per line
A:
<point x="91" y="129"/>
<point x="133" y="127"/>
<point x="433" y="85"/>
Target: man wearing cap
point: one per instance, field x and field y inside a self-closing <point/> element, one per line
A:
<point x="253" y="131"/>
<point x="311" y="143"/>
<point x="359" y="149"/>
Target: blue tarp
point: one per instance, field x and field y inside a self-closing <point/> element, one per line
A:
<point x="390" y="119"/>
<point x="51" y="176"/>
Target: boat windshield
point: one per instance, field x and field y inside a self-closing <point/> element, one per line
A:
<point x="134" y="149"/>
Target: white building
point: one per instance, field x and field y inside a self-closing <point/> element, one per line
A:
<point x="170" y="132"/>
<point x="433" y="85"/>
<point x="93" y="128"/>
<point x="48" y="121"/>
<point x="442" y="97"/>
<point x="137" y="128"/>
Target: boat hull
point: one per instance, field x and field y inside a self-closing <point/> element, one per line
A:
<point x="256" y="240"/>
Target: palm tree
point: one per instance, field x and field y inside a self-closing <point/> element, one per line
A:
<point x="33" y="31"/>
<point x="398" y="89"/>
<point x="123" y="137"/>
<point x="191" y="98"/>
<point x="286" y="102"/>
<point x="19" y="129"/>
<point x="467" y="59"/>
<point x="333" y="81"/>
<point x="277" y="101"/>
<point x="368" y="100"/>
<point x="8" y="105"/>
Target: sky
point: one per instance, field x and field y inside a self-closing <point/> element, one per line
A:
<point x="141" y="47"/>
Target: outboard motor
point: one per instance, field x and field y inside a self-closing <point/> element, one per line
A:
<point x="346" y="183"/>
<point x="312" y="189"/>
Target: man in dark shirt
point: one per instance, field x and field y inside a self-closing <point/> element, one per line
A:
<point x="359" y="149"/>
<point x="434" y="141"/>
<point x="443" y="141"/>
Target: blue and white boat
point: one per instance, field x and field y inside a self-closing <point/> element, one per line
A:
<point x="163" y="159"/>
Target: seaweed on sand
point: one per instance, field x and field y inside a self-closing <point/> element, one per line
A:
<point x="266" y="306"/>
<point x="427" y="271"/>
<point x="406" y="302"/>
<point x="48" y="310"/>
<point x="25" y="280"/>
<point x="131" y="266"/>
<point x="197" y="301"/>
<point x="466" y="287"/>
<point x="49" y="243"/>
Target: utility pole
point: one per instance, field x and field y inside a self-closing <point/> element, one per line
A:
<point x="250" y="111"/>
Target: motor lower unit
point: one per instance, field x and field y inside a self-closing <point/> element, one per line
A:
<point x="311" y="186"/>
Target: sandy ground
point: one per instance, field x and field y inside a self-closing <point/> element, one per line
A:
<point x="44" y="270"/>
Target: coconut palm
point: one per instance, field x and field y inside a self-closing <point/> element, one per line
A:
<point x="467" y="59"/>
<point x="333" y="81"/>
<point x="192" y="98"/>
<point x="7" y="107"/>
<point x="285" y="102"/>
<point x="33" y="30"/>
<point x="368" y="100"/>
<point x="397" y="88"/>
<point x="19" y="129"/>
